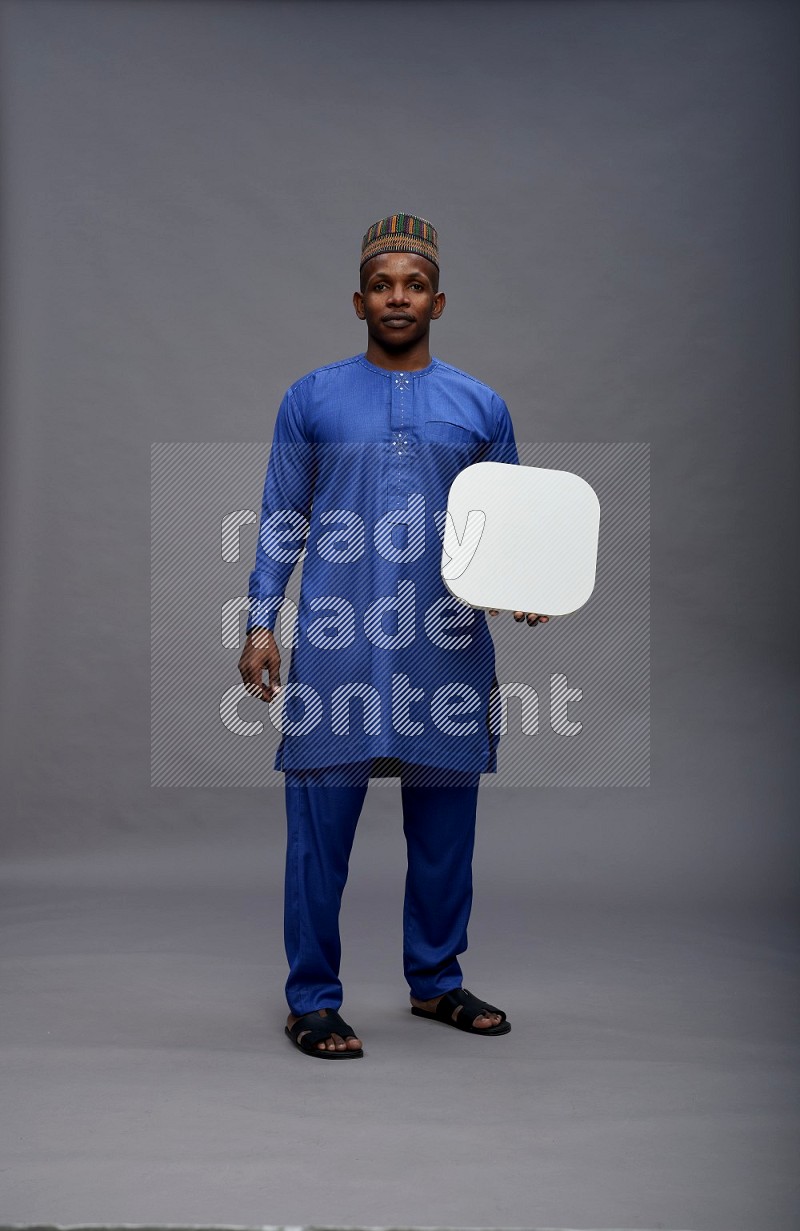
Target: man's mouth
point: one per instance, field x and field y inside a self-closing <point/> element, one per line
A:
<point x="398" y="318"/>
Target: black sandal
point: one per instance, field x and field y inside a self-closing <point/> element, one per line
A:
<point x="472" y="1008"/>
<point x="320" y="1028"/>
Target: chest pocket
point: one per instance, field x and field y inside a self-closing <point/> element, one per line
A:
<point x="450" y="433"/>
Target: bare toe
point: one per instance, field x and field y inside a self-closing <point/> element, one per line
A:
<point x="486" y="1020"/>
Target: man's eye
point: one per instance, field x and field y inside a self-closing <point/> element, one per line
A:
<point x="378" y="286"/>
<point x="417" y="286"/>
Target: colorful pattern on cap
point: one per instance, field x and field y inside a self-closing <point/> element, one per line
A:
<point x="401" y="233"/>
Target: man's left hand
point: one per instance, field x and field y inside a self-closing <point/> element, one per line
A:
<point x="531" y="617"/>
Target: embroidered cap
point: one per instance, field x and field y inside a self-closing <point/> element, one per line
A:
<point x="401" y="233"/>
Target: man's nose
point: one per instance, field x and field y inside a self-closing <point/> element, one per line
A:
<point x="398" y="294"/>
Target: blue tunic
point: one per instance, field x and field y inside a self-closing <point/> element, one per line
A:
<point x="385" y="661"/>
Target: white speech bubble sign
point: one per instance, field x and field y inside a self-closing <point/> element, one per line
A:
<point x="537" y="549"/>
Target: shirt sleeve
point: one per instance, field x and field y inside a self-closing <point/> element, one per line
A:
<point x="502" y="447"/>
<point x="285" y="513"/>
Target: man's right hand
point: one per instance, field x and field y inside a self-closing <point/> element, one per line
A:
<point x="260" y="654"/>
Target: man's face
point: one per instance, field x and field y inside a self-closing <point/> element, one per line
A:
<point x="398" y="298"/>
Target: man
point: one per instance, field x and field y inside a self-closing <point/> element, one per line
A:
<point x="389" y="673"/>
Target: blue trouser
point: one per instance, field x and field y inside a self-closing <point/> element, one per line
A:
<point x="322" y="811"/>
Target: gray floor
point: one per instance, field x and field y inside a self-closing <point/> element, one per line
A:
<point x="648" y="1080"/>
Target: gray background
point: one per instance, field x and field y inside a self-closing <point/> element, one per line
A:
<point x="184" y="190"/>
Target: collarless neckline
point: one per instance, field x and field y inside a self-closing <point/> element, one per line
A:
<point x="373" y="367"/>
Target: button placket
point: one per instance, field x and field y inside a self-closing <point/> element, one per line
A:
<point x="401" y="395"/>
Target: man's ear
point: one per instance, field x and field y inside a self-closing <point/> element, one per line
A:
<point x="438" y="305"/>
<point x="358" y="304"/>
